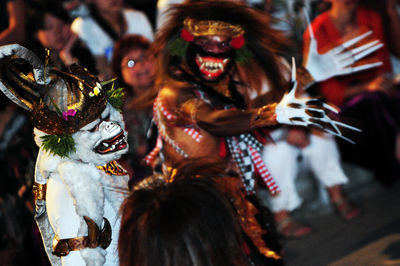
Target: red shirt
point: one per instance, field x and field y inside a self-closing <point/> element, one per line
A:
<point x="328" y="36"/>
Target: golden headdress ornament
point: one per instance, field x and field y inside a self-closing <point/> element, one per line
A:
<point x="212" y="27"/>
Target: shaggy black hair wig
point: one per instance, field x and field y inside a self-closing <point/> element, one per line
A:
<point x="189" y="221"/>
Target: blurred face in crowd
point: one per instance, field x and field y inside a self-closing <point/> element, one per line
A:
<point x="348" y="4"/>
<point x="109" y="5"/>
<point x="137" y="70"/>
<point x="55" y="33"/>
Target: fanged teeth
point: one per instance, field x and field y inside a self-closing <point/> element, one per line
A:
<point x="212" y="66"/>
<point x="199" y="58"/>
<point x="114" y="146"/>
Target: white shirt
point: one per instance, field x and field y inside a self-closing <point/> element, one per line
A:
<point x="98" y="40"/>
<point x="162" y="7"/>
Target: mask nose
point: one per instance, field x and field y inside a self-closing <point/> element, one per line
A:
<point x="213" y="47"/>
<point x="109" y="128"/>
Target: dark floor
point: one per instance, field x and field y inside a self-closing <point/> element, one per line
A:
<point x="372" y="239"/>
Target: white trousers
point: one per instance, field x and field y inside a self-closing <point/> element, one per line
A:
<point x="321" y="156"/>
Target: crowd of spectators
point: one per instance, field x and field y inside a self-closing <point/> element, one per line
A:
<point x="112" y="39"/>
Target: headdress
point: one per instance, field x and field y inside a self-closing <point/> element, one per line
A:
<point x="194" y="28"/>
<point x="59" y="103"/>
<point x="212" y="27"/>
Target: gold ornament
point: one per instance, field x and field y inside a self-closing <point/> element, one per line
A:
<point x="113" y="168"/>
<point x="39" y="191"/>
<point x="212" y="27"/>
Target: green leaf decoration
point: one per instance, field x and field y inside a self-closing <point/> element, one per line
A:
<point x="106" y="82"/>
<point x="243" y="55"/>
<point x="61" y="145"/>
<point x="55" y="105"/>
<point x="115" y="97"/>
<point x="178" y="47"/>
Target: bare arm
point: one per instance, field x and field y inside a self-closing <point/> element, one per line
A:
<point x="15" y="33"/>
<point x="183" y="108"/>
<point x="65" y="54"/>
<point x="233" y="122"/>
<point x="394" y="27"/>
<point x="103" y="67"/>
<point x="380" y="83"/>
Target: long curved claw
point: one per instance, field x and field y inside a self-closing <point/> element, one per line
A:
<point x="105" y="236"/>
<point x="357" y="50"/>
<point x="335" y="127"/>
<point x="338" y="135"/>
<point x="321" y="103"/>
<point x="293" y="87"/>
<point x="331" y="107"/>
<point x="312" y="36"/>
<point x="339" y="49"/>
<point x="334" y="124"/>
<point x="93" y="232"/>
<point x="294" y="70"/>
<point x="315" y="124"/>
<point x="368" y="51"/>
<point x="362" y="67"/>
<point x="315" y="112"/>
<point x="356" y="39"/>
<point x="305" y="111"/>
<point x="338" y="60"/>
<point x="329" y="121"/>
<point x="299" y="121"/>
<point x="347" y="126"/>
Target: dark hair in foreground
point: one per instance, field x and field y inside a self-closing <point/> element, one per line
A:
<point x="184" y="222"/>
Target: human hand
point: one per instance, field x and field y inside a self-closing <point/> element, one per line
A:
<point x="380" y="83"/>
<point x="306" y="111"/>
<point x="65" y="53"/>
<point x="339" y="60"/>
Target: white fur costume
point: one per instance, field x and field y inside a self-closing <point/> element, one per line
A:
<point x="80" y="135"/>
<point x="77" y="188"/>
<point x="321" y="156"/>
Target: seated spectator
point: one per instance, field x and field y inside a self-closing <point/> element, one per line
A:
<point x="108" y="21"/>
<point x="367" y="99"/>
<point x="49" y="27"/>
<point x="194" y="217"/>
<point x="319" y="152"/>
<point x="134" y="70"/>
